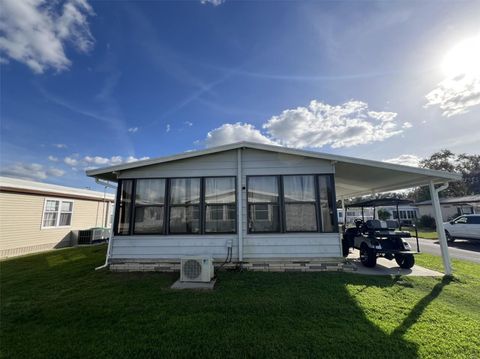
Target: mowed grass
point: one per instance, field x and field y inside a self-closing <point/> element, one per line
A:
<point x="425" y="233"/>
<point x="55" y="305"/>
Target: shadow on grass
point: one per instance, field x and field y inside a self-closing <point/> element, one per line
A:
<point x="420" y="307"/>
<point x="248" y="315"/>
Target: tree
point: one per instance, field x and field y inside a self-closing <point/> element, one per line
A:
<point x="446" y="160"/>
<point x="383" y="214"/>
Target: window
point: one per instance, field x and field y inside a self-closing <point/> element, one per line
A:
<point x="149" y="206"/>
<point x="293" y="203"/>
<point x="263" y="204"/>
<point x="473" y="220"/>
<point x="124" y="206"/>
<point x="327" y="203"/>
<point x="57" y="213"/>
<point x="461" y="220"/>
<point x="300" y="203"/>
<point x="220" y="205"/>
<point x="184" y="205"/>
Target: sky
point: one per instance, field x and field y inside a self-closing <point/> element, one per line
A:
<point x="86" y="84"/>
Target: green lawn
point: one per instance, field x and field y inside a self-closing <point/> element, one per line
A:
<point x="425" y="233"/>
<point x="55" y="305"/>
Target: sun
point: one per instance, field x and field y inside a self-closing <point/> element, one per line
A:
<point x="463" y="59"/>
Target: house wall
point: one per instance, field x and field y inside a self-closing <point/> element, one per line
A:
<point x="449" y="211"/>
<point x="21" y="222"/>
<point x="255" y="246"/>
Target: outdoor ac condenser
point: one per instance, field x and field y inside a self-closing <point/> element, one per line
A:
<point x="196" y="269"/>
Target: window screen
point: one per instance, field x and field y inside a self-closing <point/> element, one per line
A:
<point x="124" y="207"/>
<point x="220" y="205"/>
<point x="149" y="206"/>
<point x="300" y="203"/>
<point x="263" y="204"/>
<point x="327" y="205"/>
<point x="184" y="205"/>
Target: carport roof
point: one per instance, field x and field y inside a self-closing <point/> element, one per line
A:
<point x="353" y="176"/>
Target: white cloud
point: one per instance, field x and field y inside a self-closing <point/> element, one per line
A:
<point x="315" y="126"/>
<point x="92" y="162"/>
<point x="188" y="123"/>
<point x="320" y="124"/>
<point x="407" y="125"/>
<point x="53" y="158"/>
<point x="230" y="133"/>
<point x="213" y="2"/>
<point x="35" y="32"/>
<point x="31" y="171"/>
<point x="167" y="128"/>
<point x="133" y="129"/>
<point x="456" y="95"/>
<point x="407" y="160"/>
<point x="460" y="90"/>
<point x="70" y="161"/>
<point x="59" y="145"/>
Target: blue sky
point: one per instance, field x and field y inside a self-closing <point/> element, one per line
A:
<point x="88" y="84"/>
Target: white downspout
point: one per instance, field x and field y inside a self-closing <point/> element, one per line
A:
<point x="110" y="239"/>
<point x="440" y="229"/>
<point x="240" y="205"/>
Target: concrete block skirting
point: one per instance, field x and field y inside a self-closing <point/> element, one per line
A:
<point x="316" y="265"/>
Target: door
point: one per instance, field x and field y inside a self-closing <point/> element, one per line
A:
<point x="459" y="227"/>
<point x="473" y="224"/>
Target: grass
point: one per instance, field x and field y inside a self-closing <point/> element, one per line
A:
<point x="55" y="305"/>
<point x="425" y="233"/>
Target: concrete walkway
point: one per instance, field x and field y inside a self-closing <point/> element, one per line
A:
<point x="386" y="267"/>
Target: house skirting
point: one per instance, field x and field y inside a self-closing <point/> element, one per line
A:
<point x="324" y="265"/>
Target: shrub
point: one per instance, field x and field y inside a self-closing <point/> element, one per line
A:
<point x="383" y="214"/>
<point x="427" y="221"/>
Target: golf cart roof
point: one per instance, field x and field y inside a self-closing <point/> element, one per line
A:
<point x="380" y="202"/>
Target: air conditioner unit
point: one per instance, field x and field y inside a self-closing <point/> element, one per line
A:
<point x="196" y="269"/>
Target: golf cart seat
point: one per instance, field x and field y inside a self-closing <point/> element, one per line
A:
<point x="391" y="224"/>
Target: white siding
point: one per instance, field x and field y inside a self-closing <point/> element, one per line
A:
<point x="172" y="247"/>
<point x="254" y="162"/>
<point x="218" y="164"/>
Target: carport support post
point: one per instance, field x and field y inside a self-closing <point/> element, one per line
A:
<point x="439" y="222"/>
<point x="239" y="205"/>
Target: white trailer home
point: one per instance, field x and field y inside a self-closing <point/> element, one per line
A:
<point x="274" y="206"/>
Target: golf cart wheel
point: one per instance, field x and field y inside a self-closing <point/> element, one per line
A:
<point x="345" y="247"/>
<point x="367" y="256"/>
<point x="405" y="261"/>
<point x="450" y="239"/>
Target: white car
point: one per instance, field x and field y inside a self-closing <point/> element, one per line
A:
<point x="465" y="227"/>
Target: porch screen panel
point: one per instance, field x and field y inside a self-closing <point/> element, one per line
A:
<point x="326" y="195"/>
<point x="300" y="203"/>
<point x="220" y="205"/>
<point x="184" y="205"/>
<point x="263" y="204"/>
<point x="149" y="206"/>
<point x="124" y="207"/>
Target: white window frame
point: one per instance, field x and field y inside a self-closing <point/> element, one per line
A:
<point x="59" y="211"/>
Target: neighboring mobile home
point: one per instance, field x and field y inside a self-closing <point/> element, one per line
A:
<point x="271" y="204"/>
<point x="38" y="216"/>
<point x="452" y="207"/>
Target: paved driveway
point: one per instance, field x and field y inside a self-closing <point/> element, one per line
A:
<point x="460" y="249"/>
<point x="386" y="267"/>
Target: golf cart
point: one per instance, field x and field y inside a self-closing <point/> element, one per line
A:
<point x="375" y="238"/>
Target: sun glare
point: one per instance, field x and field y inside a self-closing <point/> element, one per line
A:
<point x="463" y="59"/>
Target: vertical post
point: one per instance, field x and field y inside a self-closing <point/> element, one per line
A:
<point x="398" y="219"/>
<point x="439" y="222"/>
<point x="344" y="215"/>
<point x="239" y="205"/>
<point x="363" y="215"/>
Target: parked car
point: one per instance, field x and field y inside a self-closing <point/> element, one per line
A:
<point x="465" y="227"/>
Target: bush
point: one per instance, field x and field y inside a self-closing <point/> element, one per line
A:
<point x="426" y="221"/>
<point x="383" y="214"/>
